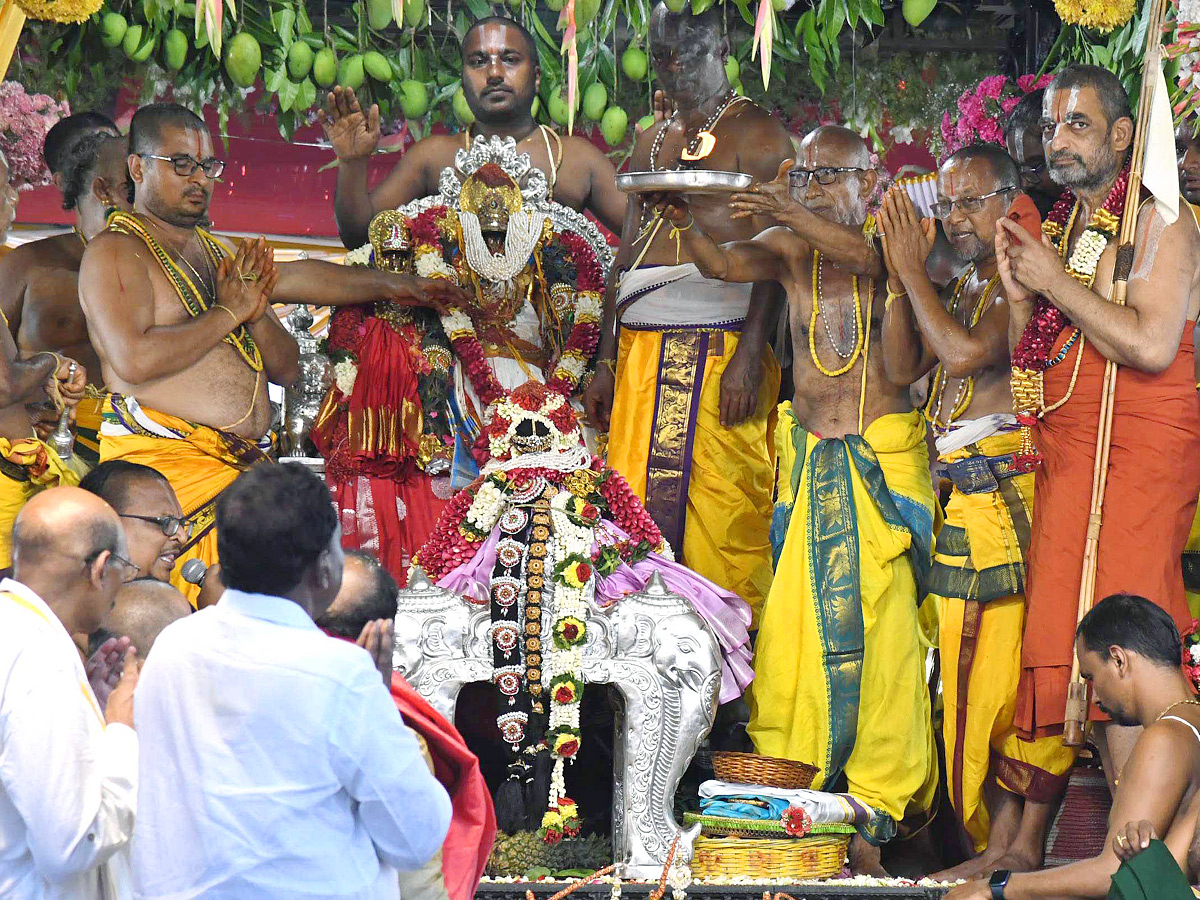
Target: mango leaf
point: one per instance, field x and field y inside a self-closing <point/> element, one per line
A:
<point x="287" y="94"/>
<point x="479" y="8"/>
<point x="306" y="96"/>
<point x="275" y="79"/>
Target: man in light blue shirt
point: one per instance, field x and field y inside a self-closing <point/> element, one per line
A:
<point x="273" y="763"/>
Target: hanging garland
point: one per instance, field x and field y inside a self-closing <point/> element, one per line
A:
<point x="1031" y="356"/>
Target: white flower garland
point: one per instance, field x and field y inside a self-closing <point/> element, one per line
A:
<point x="359" y="257"/>
<point x="429" y="264"/>
<point x="345" y="374"/>
<point x="485" y="509"/>
<point x="524" y="231"/>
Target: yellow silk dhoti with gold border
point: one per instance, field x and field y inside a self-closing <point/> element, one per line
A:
<point x="839" y="667"/>
<point x="707" y="487"/>
<point x="978" y="578"/>
<point x="27" y="466"/>
<point x="200" y="463"/>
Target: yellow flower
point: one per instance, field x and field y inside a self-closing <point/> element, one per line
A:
<point x="552" y="819"/>
<point x="60" y="10"/>
<point x="1102" y="15"/>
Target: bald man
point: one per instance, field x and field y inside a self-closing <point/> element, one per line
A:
<point x="840" y="674"/>
<point x="143" y="609"/>
<point x="63" y="835"/>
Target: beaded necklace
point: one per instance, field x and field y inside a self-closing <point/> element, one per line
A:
<point x="1031" y="356"/>
<point x="192" y="298"/>
<point x="859" y="328"/>
<point x="966" y="386"/>
<point x="694" y="144"/>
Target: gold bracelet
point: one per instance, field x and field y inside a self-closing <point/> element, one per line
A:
<point x="236" y="323"/>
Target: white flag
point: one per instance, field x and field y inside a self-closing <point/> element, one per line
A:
<point x="1160" y="172"/>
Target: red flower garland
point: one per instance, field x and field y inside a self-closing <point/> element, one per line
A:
<point x="1047" y="322"/>
<point x="626" y="510"/>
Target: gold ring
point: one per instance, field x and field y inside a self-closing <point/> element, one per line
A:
<point x="1121" y="839"/>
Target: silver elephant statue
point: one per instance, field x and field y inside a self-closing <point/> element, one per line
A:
<point x="652" y="646"/>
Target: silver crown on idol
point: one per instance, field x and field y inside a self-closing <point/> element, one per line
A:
<point x="535" y="190"/>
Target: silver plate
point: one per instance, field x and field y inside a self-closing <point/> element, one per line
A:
<point x="687" y="181"/>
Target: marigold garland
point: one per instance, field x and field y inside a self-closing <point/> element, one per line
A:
<point x="1101" y="15"/>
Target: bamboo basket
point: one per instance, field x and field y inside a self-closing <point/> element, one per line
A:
<point x="728" y="826"/>
<point x="796" y="859"/>
<point x="751" y="768"/>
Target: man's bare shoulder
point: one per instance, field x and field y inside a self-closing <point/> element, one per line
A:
<point x="579" y="148"/>
<point x="50" y="252"/>
<point x="785" y="242"/>
<point x="1170" y="743"/>
<point x="435" y="147"/>
<point x="113" y="248"/>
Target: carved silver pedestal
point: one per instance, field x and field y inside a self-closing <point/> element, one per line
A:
<point x="651" y="646"/>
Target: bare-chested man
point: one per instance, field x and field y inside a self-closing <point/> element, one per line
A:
<point x="840" y="676"/>
<point x="686" y="384"/>
<point x="978" y="576"/>
<point x="500" y="79"/>
<point x="389" y="506"/>
<point x="1154" y="463"/>
<point x="186" y="337"/>
<point x="1129" y="652"/>
<point x="27" y="465"/>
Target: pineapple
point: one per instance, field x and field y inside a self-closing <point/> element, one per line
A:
<point x="514" y="854"/>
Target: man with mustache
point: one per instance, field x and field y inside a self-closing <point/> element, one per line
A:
<point x="1063" y="328"/>
<point x="697" y="449"/>
<point x="1000" y="786"/>
<point x="839" y="670"/>
<point x="184" y="330"/>
<point x="1129" y="653"/>
<point x="390" y="505"/>
<point x="1023" y="138"/>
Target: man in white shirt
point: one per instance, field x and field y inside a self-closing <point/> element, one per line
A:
<point x="273" y="762"/>
<point x="68" y="771"/>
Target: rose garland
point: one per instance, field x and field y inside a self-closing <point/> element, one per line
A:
<point x="1191" y="655"/>
<point x="1031" y="356"/>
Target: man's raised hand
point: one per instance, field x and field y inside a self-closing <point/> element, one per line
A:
<point x="377" y="638"/>
<point x="246" y="280"/>
<point x="119" y="708"/>
<point x="907" y="238"/>
<point x="767" y="198"/>
<point x="354" y="134"/>
<point x="104" y="667"/>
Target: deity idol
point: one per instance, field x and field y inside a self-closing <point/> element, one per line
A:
<point x="549" y="538"/>
<point x="400" y="440"/>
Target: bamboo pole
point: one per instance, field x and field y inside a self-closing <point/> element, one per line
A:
<point x="12" y="19"/>
<point x="1075" y="718"/>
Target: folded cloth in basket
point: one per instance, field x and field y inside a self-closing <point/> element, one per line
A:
<point x="747" y="806"/>
<point x="823" y="808"/>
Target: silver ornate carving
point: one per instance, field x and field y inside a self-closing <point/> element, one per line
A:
<point x="302" y="401"/>
<point x="652" y="646"/>
<point x="535" y="190"/>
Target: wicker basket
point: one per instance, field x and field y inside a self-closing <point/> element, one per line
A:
<point x="817" y="856"/>
<point x="750" y="768"/>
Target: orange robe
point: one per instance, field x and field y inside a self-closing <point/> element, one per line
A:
<point x="1153" y="483"/>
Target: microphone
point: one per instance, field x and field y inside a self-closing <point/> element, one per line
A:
<point x="193" y="572"/>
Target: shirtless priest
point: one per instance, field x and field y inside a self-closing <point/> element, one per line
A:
<point x="1129" y="652"/>
<point x="839" y="672"/>
<point x="186" y="338"/>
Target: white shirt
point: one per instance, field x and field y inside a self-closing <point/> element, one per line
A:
<point x="68" y="782"/>
<point x="273" y="763"/>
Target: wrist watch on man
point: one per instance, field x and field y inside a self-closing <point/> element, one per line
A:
<point x="998" y="882"/>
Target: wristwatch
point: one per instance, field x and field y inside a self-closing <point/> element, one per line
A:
<point x="998" y="882"/>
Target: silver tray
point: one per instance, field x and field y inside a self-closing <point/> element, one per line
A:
<point x="687" y="181"/>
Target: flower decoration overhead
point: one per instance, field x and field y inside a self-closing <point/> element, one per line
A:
<point x="24" y="121"/>
<point x="1100" y="15"/>
<point x="981" y="111"/>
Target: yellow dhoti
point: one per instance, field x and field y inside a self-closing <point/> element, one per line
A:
<point x="839" y="668"/>
<point x="88" y="416"/>
<point x="198" y="461"/>
<point x="978" y="578"/>
<point x="27" y="466"/>
<point x="707" y="487"/>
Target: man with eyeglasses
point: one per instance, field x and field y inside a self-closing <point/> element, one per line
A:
<point x="184" y="329"/>
<point x="68" y="757"/>
<point x="839" y="673"/>
<point x="1023" y="138"/>
<point x="1064" y="328"/>
<point x="153" y="521"/>
<point x="1000" y="786"/>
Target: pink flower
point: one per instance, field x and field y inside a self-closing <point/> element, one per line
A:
<point x="1009" y="103"/>
<point x="993" y="86"/>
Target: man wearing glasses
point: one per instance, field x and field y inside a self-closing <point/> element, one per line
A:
<point x="839" y="673"/>
<point x="1023" y="137"/>
<point x="69" y="841"/>
<point x="978" y="575"/>
<point x="150" y="514"/>
<point x="184" y="329"/>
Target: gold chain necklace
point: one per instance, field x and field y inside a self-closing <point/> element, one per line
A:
<point x="859" y="330"/>
<point x="966" y="386"/>
<point x="1160" y="716"/>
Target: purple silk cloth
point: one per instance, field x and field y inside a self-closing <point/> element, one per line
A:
<point x="725" y="612"/>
